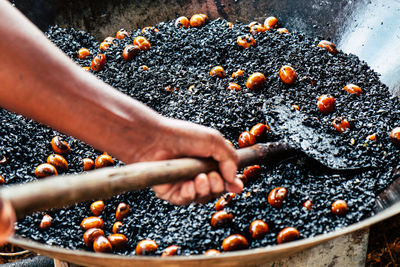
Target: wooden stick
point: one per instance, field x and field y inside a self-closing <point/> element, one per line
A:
<point x="63" y="190"/>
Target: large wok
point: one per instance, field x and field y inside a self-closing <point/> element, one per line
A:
<point x="367" y="28"/>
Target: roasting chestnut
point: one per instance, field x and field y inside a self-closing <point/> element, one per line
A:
<point x="45" y="223"/>
<point x="277" y="196"/>
<point x="86" y="68"/>
<point x="234" y="86"/>
<point x="116" y="226"/>
<point x="118" y="241"/>
<point x="98" y="62"/>
<point x="83" y="53"/>
<point x="90" y="235"/>
<point x="235" y="242"/>
<point x="326" y="104"/>
<point x="87" y="164"/>
<point x="246" y="139"/>
<point x="121" y="34"/>
<point x="170" y="251"/>
<point x="282" y="30"/>
<point x="353" y="89"/>
<point x="372" y="137"/>
<point x="260" y="131"/>
<point x="271" y="23"/>
<point x="149" y="29"/>
<point x="238" y="73"/>
<point x="130" y="51"/>
<point x="257" y="28"/>
<point x="3" y="160"/>
<point x="224" y="201"/>
<point x="296" y="107"/>
<point x="103" y="160"/>
<point x="97" y="207"/>
<point x="287" y="74"/>
<point x="182" y="22"/>
<point x="122" y="211"/>
<point x="242" y="178"/>
<point x="339" y="207"/>
<point x="60" y="146"/>
<point x="395" y="136"/>
<point x="341" y="124"/>
<point x="2" y="180"/>
<point x="197" y="20"/>
<point x="92" y="222"/>
<point x="58" y="161"/>
<point x="258" y="229"/>
<point x="221" y="218"/>
<point x="246" y="41"/>
<point x="145" y="68"/>
<point x="218" y="71"/>
<point x="308" y="204"/>
<point x="211" y="252"/>
<point x="109" y="40"/>
<point x="104" y="46"/>
<point x="44" y="170"/>
<point x="256" y="81"/>
<point x="331" y="47"/>
<point x="142" y="43"/>
<point x="287" y="234"/>
<point x="102" y="244"/>
<point x="146" y="247"/>
<point x="252" y="172"/>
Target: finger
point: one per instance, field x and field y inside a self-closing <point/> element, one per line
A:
<point x="216" y="183"/>
<point x="188" y="192"/>
<point x="7" y="219"/>
<point x="176" y="198"/>
<point x="162" y="189"/>
<point x="202" y="185"/>
<point x="235" y="187"/>
<point x="166" y="195"/>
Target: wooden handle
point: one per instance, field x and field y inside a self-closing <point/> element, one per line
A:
<point x="64" y="190"/>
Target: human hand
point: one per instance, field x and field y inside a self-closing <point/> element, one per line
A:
<point x="7" y="219"/>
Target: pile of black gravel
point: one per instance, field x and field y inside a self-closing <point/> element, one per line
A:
<point x="183" y="58"/>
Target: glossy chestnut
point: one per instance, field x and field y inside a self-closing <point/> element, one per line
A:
<point x="308" y="204"/>
<point x="122" y="211"/>
<point x="45" y="223"/>
<point x="242" y="178"/>
<point x="142" y="43"/>
<point x="90" y="235"/>
<point x="341" y="124"/>
<point x="331" y="47"/>
<point x="257" y="29"/>
<point x="102" y="244"/>
<point x="182" y="22"/>
<point x="83" y="53"/>
<point x="116" y="226"/>
<point x="92" y="222"/>
<point x="277" y="196"/>
<point x="58" y="161"/>
<point x="256" y="81"/>
<point x="395" y="136"/>
<point x="296" y="107"/>
<point x="44" y="170"/>
<point x="130" y="51"/>
<point x="260" y="131"/>
<point x="3" y="160"/>
<point x="372" y="137"/>
<point x="224" y="201"/>
<point x="221" y="218"/>
<point x="218" y="71"/>
<point x="246" y="139"/>
<point x="87" y="164"/>
<point x="103" y="160"/>
<point x="149" y="29"/>
<point x="287" y="74"/>
<point x="238" y="73"/>
<point x="252" y="172"/>
<point x="246" y="41"/>
<point x="271" y="23"/>
<point x="146" y="247"/>
<point x="60" y="146"/>
<point x="170" y="251"/>
<point x="229" y="24"/>
<point x="211" y="252"/>
<point x="98" y="62"/>
<point x="326" y="104"/>
<point x="197" y="20"/>
<point x="2" y="180"/>
<point x="339" y="207"/>
<point x="97" y="207"/>
<point x="353" y="89"/>
<point x="258" y="229"/>
<point x="287" y="234"/>
<point x="282" y="30"/>
<point x="145" y="68"/>
<point x="121" y="34"/>
<point x="235" y="242"/>
<point x="104" y="46"/>
<point x="86" y="68"/>
<point x="118" y="241"/>
<point x="234" y="86"/>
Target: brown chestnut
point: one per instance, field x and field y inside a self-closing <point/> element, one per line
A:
<point x="102" y="244"/>
<point x="326" y="104"/>
<point x="44" y="170"/>
<point x="87" y="164"/>
<point x="257" y="28"/>
<point x="238" y="73"/>
<point x="3" y="160"/>
<point x="252" y="172"/>
<point x="353" y="89"/>
<point x="197" y="20"/>
<point x="271" y="23"/>
<point x="341" y="124"/>
<point x="308" y="204"/>
<point x="221" y="218"/>
<point x="121" y="34"/>
<point x="58" y="161"/>
<point x="234" y="86"/>
<point x="287" y="74"/>
<point x="235" y="242"/>
<point x="45" y="223"/>
<point x="122" y="211"/>
<point x="288" y="234"/>
<point x="395" y="136"/>
<point x="130" y="51"/>
<point x="246" y="41"/>
<point x="372" y="137"/>
<point x="98" y="63"/>
<point x="211" y="252"/>
<point x="90" y="235"/>
<point x="145" y="68"/>
<point x="149" y="29"/>
<point x="277" y="196"/>
<point x="60" y="146"/>
<point x="83" y="53"/>
<point x="339" y="207"/>
<point x="218" y="71"/>
<point x="256" y="81"/>
<point x="170" y="251"/>
<point x="92" y="222"/>
<point x="260" y="131"/>
<point x="182" y="22"/>
<point x="118" y="241"/>
<point x="2" y="180"/>
<point x="103" y="160"/>
<point x="224" y="201"/>
<point x="258" y="229"/>
<point x="146" y="247"/>
<point x="142" y="43"/>
<point x="282" y="30"/>
<point x="116" y="226"/>
<point x="331" y="47"/>
<point x="97" y="207"/>
<point x="246" y="139"/>
<point x="104" y="46"/>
